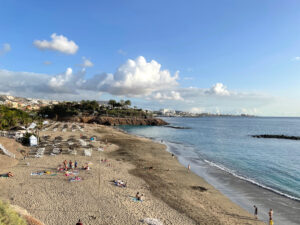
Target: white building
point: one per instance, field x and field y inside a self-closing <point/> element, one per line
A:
<point x="33" y="140"/>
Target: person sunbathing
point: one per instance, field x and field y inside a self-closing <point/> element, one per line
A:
<point x="86" y="167"/>
<point x="10" y="174"/>
<point x="119" y="183"/>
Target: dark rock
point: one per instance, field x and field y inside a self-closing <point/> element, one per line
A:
<point x="199" y="188"/>
<point x="276" y="136"/>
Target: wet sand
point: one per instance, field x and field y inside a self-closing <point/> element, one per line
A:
<point x="246" y="194"/>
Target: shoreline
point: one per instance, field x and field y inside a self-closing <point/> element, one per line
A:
<point x="163" y="151"/>
<point x="173" y="195"/>
<point x="243" y="192"/>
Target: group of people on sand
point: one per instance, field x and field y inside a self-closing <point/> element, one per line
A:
<point x="270" y="214"/>
<point x="139" y="196"/>
<point x="65" y="166"/>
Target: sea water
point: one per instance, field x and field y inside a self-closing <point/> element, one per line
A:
<point x="226" y="143"/>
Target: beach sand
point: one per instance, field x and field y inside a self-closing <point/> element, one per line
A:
<point x="173" y="194"/>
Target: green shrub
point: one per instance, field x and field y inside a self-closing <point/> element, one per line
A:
<point x="9" y="217"/>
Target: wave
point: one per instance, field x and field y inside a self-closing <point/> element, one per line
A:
<point x="251" y="180"/>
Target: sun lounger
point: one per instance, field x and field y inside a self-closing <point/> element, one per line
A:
<point x="88" y="152"/>
<point x="56" y="151"/>
<point x="82" y="142"/>
<point x="40" y="153"/>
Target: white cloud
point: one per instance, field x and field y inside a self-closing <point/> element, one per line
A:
<point x="134" y="78"/>
<point x="58" y="43"/>
<point x="140" y="79"/>
<point x="172" y="95"/>
<point x="86" y="62"/>
<point x="137" y="78"/>
<point x="297" y="58"/>
<point x="6" y="48"/>
<point x="67" y="82"/>
<point x="218" y="89"/>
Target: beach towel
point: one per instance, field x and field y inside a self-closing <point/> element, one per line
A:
<point x="4" y="175"/>
<point x="119" y="183"/>
<point x="37" y="173"/>
<point x="69" y="173"/>
<point x="75" y="179"/>
<point x="134" y="199"/>
<point x="152" y="221"/>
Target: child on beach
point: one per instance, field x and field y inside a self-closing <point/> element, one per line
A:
<point x="76" y="164"/>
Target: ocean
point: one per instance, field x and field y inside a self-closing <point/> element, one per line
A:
<point x="225" y="143"/>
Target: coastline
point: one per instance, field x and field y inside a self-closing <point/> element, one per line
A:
<point x="171" y="182"/>
<point x="241" y="191"/>
<point x="173" y="195"/>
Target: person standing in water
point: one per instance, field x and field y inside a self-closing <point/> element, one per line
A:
<point x="255" y="211"/>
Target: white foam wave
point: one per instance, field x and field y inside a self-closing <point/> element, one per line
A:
<point x="250" y="180"/>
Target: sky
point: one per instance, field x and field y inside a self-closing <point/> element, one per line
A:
<point x="227" y="56"/>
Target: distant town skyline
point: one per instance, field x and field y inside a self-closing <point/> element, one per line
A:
<point x="233" y="57"/>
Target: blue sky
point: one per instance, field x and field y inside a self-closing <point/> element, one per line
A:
<point x="231" y="56"/>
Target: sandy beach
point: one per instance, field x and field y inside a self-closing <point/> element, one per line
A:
<point x="173" y="195"/>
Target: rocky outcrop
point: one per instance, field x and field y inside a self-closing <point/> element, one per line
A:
<point x="276" y="136"/>
<point x="115" y="121"/>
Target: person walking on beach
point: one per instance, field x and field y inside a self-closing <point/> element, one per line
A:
<point x="70" y="164"/>
<point x="271" y="214"/>
<point x="79" y="222"/>
<point x="76" y="164"/>
<point x="255" y="211"/>
<point x="271" y="217"/>
<point x="189" y="167"/>
<point x="65" y="165"/>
